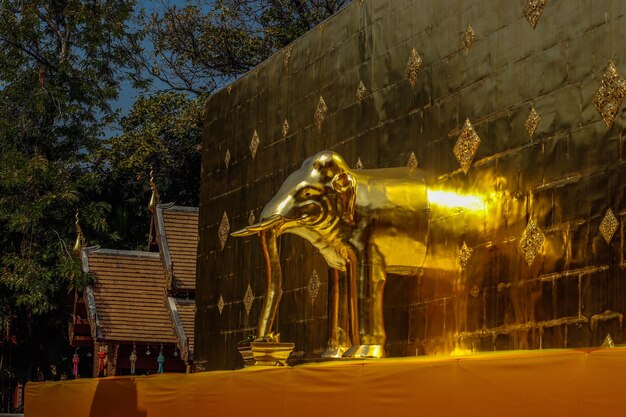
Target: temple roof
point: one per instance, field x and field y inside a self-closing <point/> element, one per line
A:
<point x="177" y="235"/>
<point x="128" y="302"/>
<point x="183" y="315"/>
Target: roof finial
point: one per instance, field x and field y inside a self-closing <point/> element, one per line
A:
<point x="80" y="236"/>
<point x="154" y="199"/>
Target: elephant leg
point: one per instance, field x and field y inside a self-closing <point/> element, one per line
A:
<point x="371" y="279"/>
<point x="338" y="341"/>
<point x="352" y="302"/>
<point x="273" y="289"/>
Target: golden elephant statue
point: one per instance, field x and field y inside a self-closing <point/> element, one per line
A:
<point x="365" y="223"/>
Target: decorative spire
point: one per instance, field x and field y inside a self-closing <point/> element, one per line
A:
<point x="154" y="199"/>
<point x="80" y="236"/>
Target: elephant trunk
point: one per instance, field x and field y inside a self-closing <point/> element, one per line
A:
<point x="266" y="224"/>
<point x="273" y="282"/>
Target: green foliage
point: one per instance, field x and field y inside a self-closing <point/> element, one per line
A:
<point x="203" y="45"/>
<point x="61" y="66"/>
<point x="62" y="62"/>
<point x="161" y="133"/>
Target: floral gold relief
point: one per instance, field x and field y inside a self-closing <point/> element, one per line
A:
<point x="608" y="342"/>
<point x="360" y="92"/>
<point x="609" y="226"/>
<point x="285" y="129"/>
<point x="533" y="11"/>
<point x="248" y="298"/>
<point x="224" y="229"/>
<point x="413" y="67"/>
<point x="531" y="242"/>
<point x="313" y="287"/>
<point x="254" y="144"/>
<point x="227" y="158"/>
<point x="466" y="146"/>
<point x="532" y="122"/>
<point x="469" y="38"/>
<point x="287" y="54"/>
<point x="464" y="255"/>
<point x="251" y="218"/>
<point x="412" y="163"/>
<point x="359" y="164"/>
<point x="320" y="112"/>
<point x="611" y="94"/>
<point x="220" y="304"/>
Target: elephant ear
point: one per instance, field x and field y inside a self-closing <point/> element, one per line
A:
<point x="344" y="184"/>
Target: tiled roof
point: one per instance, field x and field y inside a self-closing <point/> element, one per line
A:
<point x="129" y="296"/>
<point x="177" y="231"/>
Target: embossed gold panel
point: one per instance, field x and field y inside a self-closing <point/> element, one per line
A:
<point x="559" y="283"/>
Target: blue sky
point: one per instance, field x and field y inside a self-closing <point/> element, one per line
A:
<point x="128" y="94"/>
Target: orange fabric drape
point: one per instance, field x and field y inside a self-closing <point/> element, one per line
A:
<point x="527" y="383"/>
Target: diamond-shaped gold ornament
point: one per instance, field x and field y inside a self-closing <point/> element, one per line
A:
<point x="412" y="163"/>
<point x="313" y="287"/>
<point x="469" y="38"/>
<point x="224" y="229"/>
<point x="531" y="242"/>
<point x="466" y="146"/>
<point x="320" y="112"/>
<point x="251" y="218"/>
<point x="611" y="94"/>
<point x="532" y="121"/>
<point x="248" y="299"/>
<point x="608" y="342"/>
<point x="229" y="88"/>
<point x="287" y="54"/>
<point x="464" y="255"/>
<point x="413" y="67"/>
<point x="360" y="92"/>
<point x="359" y="164"/>
<point x="609" y="226"/>
<point x="220" y="304"/>
<point x="254" y="144"/>
<point x="533" y="11"/>
<point x="285" y="130"/>
<point x="227" y="158"/>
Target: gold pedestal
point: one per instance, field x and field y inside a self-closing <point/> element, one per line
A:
<point x="265" y="353"/>
<point x="365" y="351"/>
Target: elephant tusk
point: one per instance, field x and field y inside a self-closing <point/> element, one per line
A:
<point x="259" y="227"/>
<point x="243" y="232"/>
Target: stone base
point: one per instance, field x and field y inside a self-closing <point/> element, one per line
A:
<point x="264" y="353"/>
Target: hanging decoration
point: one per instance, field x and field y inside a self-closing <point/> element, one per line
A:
<point x="161" y="360"/>
<point x="148" y="353"/>
<point x="75" y="362"/>
<point x="175" y="352"/>
<point x="133" y="359"/>
<point x="101" y="359"/>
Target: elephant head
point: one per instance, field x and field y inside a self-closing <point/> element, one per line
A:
<point x="314" y="202"/>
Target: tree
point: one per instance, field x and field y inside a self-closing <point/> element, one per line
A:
<point x="162" y="133"/>
<point x="62" y="62"/>
<point x="202" y="46"/>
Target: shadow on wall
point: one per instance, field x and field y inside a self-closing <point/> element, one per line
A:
<point x="115" y="398"/>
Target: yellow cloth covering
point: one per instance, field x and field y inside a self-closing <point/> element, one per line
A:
<point x="558" y="383"/>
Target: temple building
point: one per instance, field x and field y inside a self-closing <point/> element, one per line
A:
<point x="140" y="310"/>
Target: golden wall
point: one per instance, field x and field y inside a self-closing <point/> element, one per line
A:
<point x="521" y="99"/>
